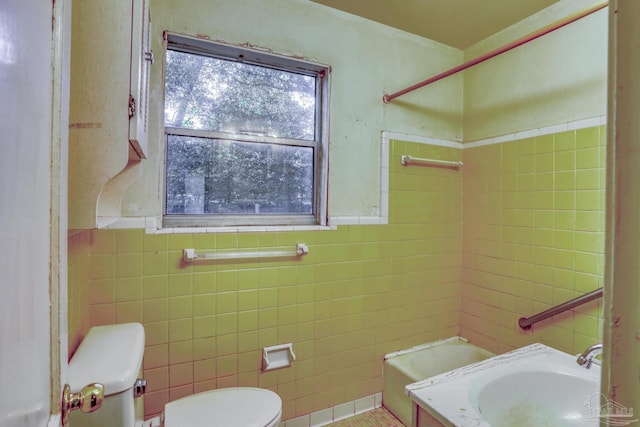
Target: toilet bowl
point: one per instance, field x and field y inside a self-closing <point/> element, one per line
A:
<point x="241" y="407"/>
<point x="112" y="355"/>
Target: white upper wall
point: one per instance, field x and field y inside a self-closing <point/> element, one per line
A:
<point x="367" y="60"/>
<point x="558" y="78"/>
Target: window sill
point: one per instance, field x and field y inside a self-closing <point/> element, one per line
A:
<point x="151" y="226"/>
<point x="247" y="229"/>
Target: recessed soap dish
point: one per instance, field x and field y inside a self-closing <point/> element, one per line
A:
<point x="277" y="356"/>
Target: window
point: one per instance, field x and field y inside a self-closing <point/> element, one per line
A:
<point x="245" y="137"/>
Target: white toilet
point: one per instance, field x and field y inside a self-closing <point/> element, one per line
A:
<point x="112" y="355"/>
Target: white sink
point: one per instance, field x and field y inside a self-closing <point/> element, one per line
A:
<point x="535" y="385"/>
<point x="537" y="398"/>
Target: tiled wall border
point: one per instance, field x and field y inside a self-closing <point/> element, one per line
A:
<point x="336" y="413"/>
<point x="386" y="136"/>
<point x="563" y="127"/>
<point x="151" y="224"/>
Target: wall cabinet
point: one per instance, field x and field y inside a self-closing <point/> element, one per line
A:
<point x="141" y="60"/>
<point x="110" y="63"/>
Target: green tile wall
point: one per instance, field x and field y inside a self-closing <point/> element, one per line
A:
<point x="534" y="237"/>
<point x="361" y="292"/>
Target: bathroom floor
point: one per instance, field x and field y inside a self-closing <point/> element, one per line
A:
<point x="380" y="417"/>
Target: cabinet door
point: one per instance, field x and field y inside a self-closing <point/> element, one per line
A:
<point x="141" y="60"/>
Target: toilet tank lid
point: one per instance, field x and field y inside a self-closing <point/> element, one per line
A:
<point x="110" y="355"/>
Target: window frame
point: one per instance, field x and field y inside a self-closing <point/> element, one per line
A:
<point x="320" y="143"/>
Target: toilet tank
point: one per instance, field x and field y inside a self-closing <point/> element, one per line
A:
<point x="110" y="355"/>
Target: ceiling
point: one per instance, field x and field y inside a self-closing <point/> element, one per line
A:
<point x="457" y="23"/>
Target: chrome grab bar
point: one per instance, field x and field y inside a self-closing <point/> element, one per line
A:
<point x="526" y="322"/>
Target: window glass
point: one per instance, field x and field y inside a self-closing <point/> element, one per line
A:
<point x="244" y="137"/>
<point x="212" y="176"/>
<point x="229" y="96"/>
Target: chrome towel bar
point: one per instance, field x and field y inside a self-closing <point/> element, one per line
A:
<point x="190" y="255"/>
<point x="407" y="160"/>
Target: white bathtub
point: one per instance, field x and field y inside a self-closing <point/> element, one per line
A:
<point x="421" y="362"/>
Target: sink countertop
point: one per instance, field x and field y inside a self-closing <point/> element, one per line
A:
<point x="447" y="397"/>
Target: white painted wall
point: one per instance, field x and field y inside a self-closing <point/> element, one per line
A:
<point x="558" y="78"/>
<point x="367" y="60"/>
<point x="25" y="186"/>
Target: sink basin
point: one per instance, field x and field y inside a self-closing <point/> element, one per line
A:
<point x="535" y="385"/>
<point x="537" y="398"/>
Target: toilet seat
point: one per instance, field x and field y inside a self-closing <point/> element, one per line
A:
<point x="226" y="407"/>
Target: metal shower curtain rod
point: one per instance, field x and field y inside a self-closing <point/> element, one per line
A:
<point x="499" y="51"/>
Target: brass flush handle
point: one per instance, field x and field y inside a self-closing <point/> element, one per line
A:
<point x="89" y="399"/>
